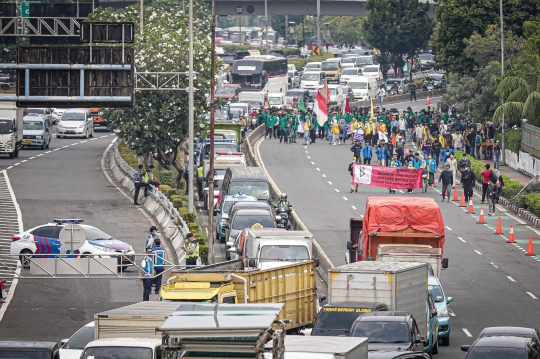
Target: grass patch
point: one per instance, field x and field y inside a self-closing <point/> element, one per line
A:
<point x="128" y="155"/>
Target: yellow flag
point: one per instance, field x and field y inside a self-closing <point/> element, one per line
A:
<point x="372" y="111"/>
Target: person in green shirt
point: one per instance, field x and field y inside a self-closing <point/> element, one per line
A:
<point x="268" y="124"/>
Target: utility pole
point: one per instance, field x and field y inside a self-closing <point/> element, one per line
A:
<point x="210" y="239"/>
<point x="266" y="21"/>
<point x="191" y="111"/>
<point x="141" y="24"/>
<point x="286" y="29"/>
<point x="503" y="155"/>
<point x="319" y="23"/>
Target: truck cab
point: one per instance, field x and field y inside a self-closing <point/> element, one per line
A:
<point x="37" y="131"/>
<point x="336" y="319"/>
<point x="121" y="348"/>
<point x="273" y="253"/>
<point x="11" y="130"/>
<point x="29" y="349"/>
<point x="207" y="292"/>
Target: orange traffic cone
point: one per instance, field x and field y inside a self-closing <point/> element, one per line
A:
<point x="462" y="203"/>
<point x="455" y="194"/>
<point x="511" y="238"/>
<point x="428" y="101"/>
<point x="499" y="226"/>
<point x="530" y="248"/>
<point x="481" y="220"/>
<point x="470" y="210"/>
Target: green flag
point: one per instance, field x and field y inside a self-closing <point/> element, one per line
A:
<point x="301" y="105"/>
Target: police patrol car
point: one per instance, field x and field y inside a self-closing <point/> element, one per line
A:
<point x="44" y="242"/>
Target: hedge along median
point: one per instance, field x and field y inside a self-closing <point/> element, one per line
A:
<point x="529" y="201"/>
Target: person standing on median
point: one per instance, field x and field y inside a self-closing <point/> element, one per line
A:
<point x="138" y="182"/>
<point x="447" y="179"/>
<point x="159" y="262"/>
<point x="191" y="251"/>
<point x="147" y="272"/>
<point x="151" y="238"/>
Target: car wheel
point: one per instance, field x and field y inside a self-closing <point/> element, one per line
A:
<point x="445" y="341"/>
<point x="58" y="136"/>
<point x="435" y="348"/>
<point x="25" y="258"/>
<point x="43" y="146"/>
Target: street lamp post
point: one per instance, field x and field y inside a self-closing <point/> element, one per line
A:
<point x="291" y="28"/>
<point x="319" y="23"/>
<point x="503" y="156"/>
<point x="266" y="21"/>
<point x="286" y="29"/>
<point x="191" y="114"/>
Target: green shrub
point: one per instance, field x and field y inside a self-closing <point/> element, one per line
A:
<point x="201" y="238"/>
<point x="182" y="185"/>
<point x="203" y="253"/>
<point x="166" y="177"/>
<point x="513" y="140"/>
<point x="193" y="226"/>
<point x="530" y="202"/>
<point x="188" y="216"/>
<point x="511" y="188"/>
<point x="168" y="191"/>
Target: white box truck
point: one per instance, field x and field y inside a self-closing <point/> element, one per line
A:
<point x="305" y="347"/>
<point x="402" y="253"/>
<point x="11" y="129"/>
<point x="402" y="286"/>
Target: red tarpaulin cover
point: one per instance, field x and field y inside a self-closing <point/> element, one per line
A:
<point x="395" y="214"/>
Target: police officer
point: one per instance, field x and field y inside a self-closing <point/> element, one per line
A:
<point x="151" y="238"/>
<point x="159" y="261"/>
<point x="200" y="179"/>
<point x="147" y="272"/>
<point x="138" y="182"/>
<point x="191" y="250"/>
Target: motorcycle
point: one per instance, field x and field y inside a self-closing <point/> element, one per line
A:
<point x="282" y="219"/>
<point x="253" y="123"/>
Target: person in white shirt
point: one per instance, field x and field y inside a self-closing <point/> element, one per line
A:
<point x="381" y="92"/>
<point x="419" y="135"/>
<point x="457" y="141"/>
<point x="402" y="126"/>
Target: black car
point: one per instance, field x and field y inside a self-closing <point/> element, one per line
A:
<point x="512" y="332"/>
<point x="396" y="354"/>
<point x="502" y="347"/>
<point x="336" y="319"/>
<point x="438" y="80"/>
<point x="239" y="55"/>
<point x="28" y="349"/>
<point x="389" y="331"/>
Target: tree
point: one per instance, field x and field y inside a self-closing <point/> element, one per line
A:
<point x="278" y="23"/>
<point x="396" y="28"/>
<point x="458" y="20"/>
<point x="307" y="28"/>
<point x="345" y="30"/>
<point x="520" y="90"/>
<point x="158" y="123"/>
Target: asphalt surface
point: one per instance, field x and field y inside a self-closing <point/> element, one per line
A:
<point x="493" y="283"/>
<point x="66" y="181"/>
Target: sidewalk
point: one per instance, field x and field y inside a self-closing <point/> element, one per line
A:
<point x="510" y="172"/>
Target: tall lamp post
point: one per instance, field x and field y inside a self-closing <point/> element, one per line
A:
<point x="503" y="156"/>
<point x="191" y="112"/>
<point x="266" y="22"/>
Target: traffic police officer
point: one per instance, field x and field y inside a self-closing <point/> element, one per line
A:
<point x="147" y="272"/>
<point x="191" y="250"/>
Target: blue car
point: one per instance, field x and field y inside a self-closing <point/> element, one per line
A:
<point x="441" y="303"/>
<point x="222" y="212"/>
<point x="433" y="327"/>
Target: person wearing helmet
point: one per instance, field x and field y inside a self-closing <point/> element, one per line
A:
<point x="283" y="203"/>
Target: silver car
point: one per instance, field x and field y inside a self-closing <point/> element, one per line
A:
<point x="75" y="123"/>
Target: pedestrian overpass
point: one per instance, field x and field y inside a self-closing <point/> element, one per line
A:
<point x="294" y="7"/>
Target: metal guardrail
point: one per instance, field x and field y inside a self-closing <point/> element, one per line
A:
<point x="160" y="198"/>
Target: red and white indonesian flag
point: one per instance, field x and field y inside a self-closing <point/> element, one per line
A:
<point x="320" y="109"/>
<point x="382" y="135"/>
<point x="346" y="106"/>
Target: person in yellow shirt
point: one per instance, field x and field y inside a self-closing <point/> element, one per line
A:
<point x="307" y="125"/>
<point x="335" y="133"/>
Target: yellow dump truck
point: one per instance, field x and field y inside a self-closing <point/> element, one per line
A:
<point x="294" y="285"/>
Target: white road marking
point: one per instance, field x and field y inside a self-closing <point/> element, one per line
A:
<point x="305" y="146"/>
<point x="66" y="146"/>
<point x="103" y="136"/>
<point x="87" y="140"/>
<point x="318" y="169"/>
<point x="324" y="175"/>
<point x="461" y="239"/>
<point x="31" y="158"/>
<point x="306" y="151"/>
<point x="16" y="164"/>
<point x="48" y="152"/>
<point x="41" y="154"/>
<point x="500" y="208"/>
<point x="57" y="149"/>
<point x="23" y="161"/>
<point x="330" y="183"/>
<point x="400" y="191"/>
<point x="353" y="207"/>
<point x="448" y="228"/>
<point x="532" y="295"/>
<point x="337" y="190"/>
<point x="312" y="163"/>
<point x="10" y="167"/>
<point x="345" y="198"/>
<point x="534" y="230"/>
<point x="517" y="219"/>
<point x="452" y="314"/>
<point x="477" y="252"/>
<point x="467" y="333"/>
<point x="494" y="265"/>
<point x="511" y="279"/>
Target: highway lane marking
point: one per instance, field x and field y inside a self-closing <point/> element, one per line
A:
<point x="66" y="146"/>
<point x="448" y="228"/>
<point x="318" y="169"/>
<point x="345" y="198"/>
<point x="517" y="219"/>
<point x="31" y="158"/>
<point x="461" y="239"/>
<point x="532" y="295"/>
<point x="353" y="207"/>
<point x="337" y="190"/>
<point x="16" y="164"/>
<point x="10" y="167"/>
<point x="57" y="149"/>
<point x="534" y="230"/>
<point x="312" y="163"/>
<point x="500" y="208"/>
<point x="308" y="157"/>
<point x="41" y="154"/>
<point x="330" y="183"/>
<point x="400" y="191"/>
<point x="493" y="264"/>
<point x="324" y="175"/>
<point x="84" y="141"/>
<point x="477" y="252"/>
<point x="48" y="152"/>
<point x="452" y="314"/>
<point x="305" y="147"/>
<point x="104" y="136"/>
<point x="23" y="161"/>
<point x="467" y="333"/>
<point x="93" y="139"/>
<point x="511" y="279"/>
<point x="306" y="151"/>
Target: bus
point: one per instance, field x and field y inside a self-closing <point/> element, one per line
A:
<point x="260" y="73"/>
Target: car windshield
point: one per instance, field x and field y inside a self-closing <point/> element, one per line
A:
<point x="93" y="233"/>
<point x="225" y="90"/>
<point x="33" y="125"/>
<point x="348" y="60"/>
<point x="496" y="353"/>
<point x="382" y="332"/>
<point x="22" y="354"/>
<point x="73" y="116"/>
<point x="274" y="100"/>
<point x="332" y="65"/>
<point x="364" y="61"/>
<point x="6" y="127"/>
<point x="223" y="147"/>
<point x="257" y="189"/>
<point x="313" y="66"/>
<point x="357" y="85"/>
<point x="236" y="112"/>
<point x="436" y="293"/>
<point x="333" y="319"/>
<point x="427" y="57"/>
<point x="350" y="71"/>
<point x="81" y="338"/>
<point x="391" y="82"/>
<point x="39" y="111"/>
<point x="284" y="253"/>
<point x="370" y="69"/>
<point x="117" y="353"/>
<point x="241" y="222"/>
<point x="310" y="77"/>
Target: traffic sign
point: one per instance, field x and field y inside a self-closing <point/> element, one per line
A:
<point x="239" y="10"/>
<point x="316" y="51"/>
<point x="25" y="7"/>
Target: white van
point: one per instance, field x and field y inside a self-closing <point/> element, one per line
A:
<point x="363" y="87"/>
<point x="373" y="71"/>
<point x="121" y="348"/>
<point x="312" y="79"/>
<point x="276" y="99"/>
<point x="336" y="95"/>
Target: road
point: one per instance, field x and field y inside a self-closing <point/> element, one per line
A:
<point x="66" y="181"/>
<point x="492" y="282"/>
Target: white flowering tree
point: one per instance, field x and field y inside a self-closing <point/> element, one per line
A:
<point x="158" y="123"/>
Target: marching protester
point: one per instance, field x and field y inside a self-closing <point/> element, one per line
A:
<point x="354" y="187"/>
<point x="447" y="179"/>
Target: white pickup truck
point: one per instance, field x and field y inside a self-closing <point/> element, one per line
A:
<point x="11" y="130"/>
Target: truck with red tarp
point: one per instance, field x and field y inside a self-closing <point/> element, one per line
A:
<point x="407" y="221"/>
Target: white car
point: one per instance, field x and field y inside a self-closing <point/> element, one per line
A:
<point x="372" y="71"/>
<point x="73" y="347"/>
<point x="45" y="240"/>
<point x="57" y="114"/>
<point x="75" y="123"/>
